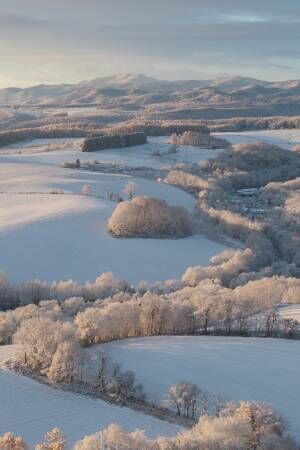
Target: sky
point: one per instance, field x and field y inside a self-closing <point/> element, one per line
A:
<point x="55" y="41"/>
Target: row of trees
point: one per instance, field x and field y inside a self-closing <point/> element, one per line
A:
<point x="12" y="295"/>
<point x="247" y="425"/>
<point x="168" y="127"/>
<point x="202" y="305"/>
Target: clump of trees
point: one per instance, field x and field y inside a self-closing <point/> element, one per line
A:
<point x="197" y="139"/>
<point x="151" y="218"/>
<point x="92" y="144"/>
<point x="192" y="402"/>
<point x="253" y="165"/>
<point x="53" y="348"/>
<point x="11" y="442"/>
<point x="275" y="174"/>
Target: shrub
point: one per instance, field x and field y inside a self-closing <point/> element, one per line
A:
<point x="199" y="140"/>
<point x="151" y="218"/>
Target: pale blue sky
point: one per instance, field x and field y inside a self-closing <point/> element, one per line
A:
<point x="53" y="41"/>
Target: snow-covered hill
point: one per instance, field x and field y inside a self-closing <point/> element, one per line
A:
<point x="240" y="368"/>
<point x="31" y="409"/>
<point x="63" y="235"/>
<point x="131" y="92"/>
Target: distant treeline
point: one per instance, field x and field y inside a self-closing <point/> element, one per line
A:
<point x="158" y="127"/>
<point x="87" y="126"/>
<point x="114" y="141"/>
<point x="29" y="134"/>
<point x="169" y="127"/>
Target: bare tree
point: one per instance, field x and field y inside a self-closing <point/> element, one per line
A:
<point x="184" y="396"/>
<point x="130" y="189"/>
<point x="11" y="442"/>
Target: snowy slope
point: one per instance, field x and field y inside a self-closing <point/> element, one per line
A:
<point x="240" y="368"/>
<point x="31" y="409"/>
<point x="138" y="156"/>
<point x="78" y="246"/>
<point x="283" y="138"/>
<point x="61" y="236"/>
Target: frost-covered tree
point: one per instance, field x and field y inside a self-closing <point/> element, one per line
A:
<point x="115" y="438"/>
<point x="11" y="442"/>
<point x="39" y="339"/>
<point x="66" y="363"/>
<point x="262" y="422"/>
<point x="54" y="440"/>
<point x="184" y="396"/>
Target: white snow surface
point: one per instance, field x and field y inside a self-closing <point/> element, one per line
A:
<point x="267" y="370"/>
<point x="60" y="236"/>
<point x="31" y="409"/>
<point x="138" y="156"/>
<point x="283" y="138"/>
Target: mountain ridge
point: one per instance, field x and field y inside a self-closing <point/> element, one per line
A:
<point x="138" y="92"/>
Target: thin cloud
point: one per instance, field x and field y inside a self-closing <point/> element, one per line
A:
<point x="196" y="36"/>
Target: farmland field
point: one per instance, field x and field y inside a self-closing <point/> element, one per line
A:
<point x="62" y="235"/>
<point x="32" y="409"/>
<point x="239" y="368"/>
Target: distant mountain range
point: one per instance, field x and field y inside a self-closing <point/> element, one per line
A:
<point x="221" y="97"/>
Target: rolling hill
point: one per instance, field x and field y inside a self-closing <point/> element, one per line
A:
<point x="218" y="98"/>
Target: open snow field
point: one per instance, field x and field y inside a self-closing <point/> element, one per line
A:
<point x="62" y="235"/>
<point x="31" y="409"/>
<point x="138" y="156"/>
<point x="283" y="138"/>
<point x="77" y="246"/>
<point x="239" y="368"/>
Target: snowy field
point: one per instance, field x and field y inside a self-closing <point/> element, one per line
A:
<point x="138" y="156"/>
<point x="283" y="138"/>
<point x="239" y="368"/>
<point x="77" y="246"/>
<point x="62" y="236"/>
<point x="31" y="409"/>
